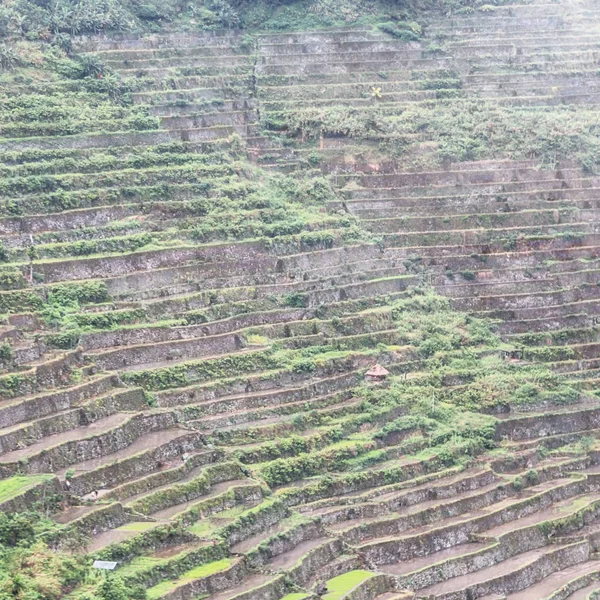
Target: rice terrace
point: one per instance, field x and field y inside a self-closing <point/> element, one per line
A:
<point x="300" y="299"/>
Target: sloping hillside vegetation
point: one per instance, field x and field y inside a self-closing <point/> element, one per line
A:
<point x="43" y="19"/>
<point x="216" y="218"/>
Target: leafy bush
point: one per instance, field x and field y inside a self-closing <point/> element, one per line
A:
<point x="12" y="280"/>
<point x="532" y="477"/>
<point x="5" y="352"/>
<point x="28" y="568"/>
<point x="17" y="529"/>
<point x="409" y="32"/>
<point x="304" y="366"/>
<point x="8" y="57"/>
<point x="112" y="588"/>
<point x="91" y="66"/>
<point x="296" y="299"/>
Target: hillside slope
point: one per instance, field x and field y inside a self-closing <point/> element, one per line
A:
<point x="207" y="241"/>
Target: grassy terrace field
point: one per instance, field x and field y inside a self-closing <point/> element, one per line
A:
<point x="206" y="241"/>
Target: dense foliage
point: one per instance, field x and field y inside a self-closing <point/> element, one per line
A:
<point x="48" y="19"/>
<point x="29" y="570"/>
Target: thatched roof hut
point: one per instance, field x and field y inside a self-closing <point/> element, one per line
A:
<point x="377" y="373"/>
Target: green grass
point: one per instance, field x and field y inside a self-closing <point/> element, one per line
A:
<point x="143" y="563"/>
<point x="208" y="569"/>
<point x="296" y="596"/>
<point x="202" y="528"/>
<point x="196" y="573"/>
<point x="9" y="488"/>
<point x="139" y="563"/>
<point x="161" y="589"/>
<point x="341" y="585"/>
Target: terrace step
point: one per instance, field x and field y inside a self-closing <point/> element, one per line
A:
<point x="265" y="419"/>
<point x="216" y="491"/>
<point x="277" y="398"/>
<point x="422" y="513"/>
<point x="250" y="583"/>
<point x="146" y="501"/>
<point x="38" y="406"/>
<point x="77" y="434"/>
<point x="568" y="420"/>
<point x="255" y="540"/>
<point x="554" y="582"/>
<point x="135" y="357"/>
<point x="173" y="470"/>
<point x="540" y="560"/>
<point x="149" y="366"/>
<point x="27" y="434"/>
<point x="158" y="41"/>
<point x="416" y="564"/>
<point x="584" y="593"/>
<point x="24" y="492"/>
<point x="507" y="511"/>
<point x="558" y="509"/>
<point x="148" y="449"/>
<point x="188" y="63"/>
<point x="287" y="560"/>
<point x="121" y="534"/>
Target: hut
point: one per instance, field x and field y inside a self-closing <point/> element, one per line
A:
<point x="376" y="374"/>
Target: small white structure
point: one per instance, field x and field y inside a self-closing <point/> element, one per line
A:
<point x="105" y="565"/>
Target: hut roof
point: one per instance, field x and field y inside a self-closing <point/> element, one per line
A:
<point x="377" y="371"/>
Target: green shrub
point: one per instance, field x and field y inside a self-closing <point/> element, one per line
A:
<point x="112" y="587"/>
<point x="409" y="32"/>
<point x="5" y="352"/>
<point x="296" y="299"/>
<point x="49" y="574"/>
<point x="304" y="366"/>
<point x="532" y="477"/>
<point x="12" y="280"/>
<point x="64" y="341"/>
<point x="90" y="291"/>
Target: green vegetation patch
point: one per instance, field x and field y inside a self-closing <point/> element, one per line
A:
<point x="33" y="20"/>
<point x="184" y="197"/>
<point x="464" y="129"/>
<point x="341" y="585"/>
<point x="196" y="573"/>
<point x="25" y="559"/>
<point x="14" y="486"/>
